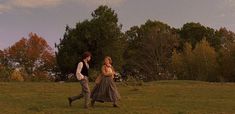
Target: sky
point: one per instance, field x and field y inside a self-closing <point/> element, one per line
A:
<point x="48" y="18"/>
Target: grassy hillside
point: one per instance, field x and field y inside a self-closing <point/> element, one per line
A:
<point x="163" y="97"/>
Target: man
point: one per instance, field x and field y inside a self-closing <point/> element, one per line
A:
<point x="82" y="75"/>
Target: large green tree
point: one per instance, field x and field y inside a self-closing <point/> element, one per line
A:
<point x="101" y="35"/>
<point x="150" y="48"/>
<point x="195" y="32"/>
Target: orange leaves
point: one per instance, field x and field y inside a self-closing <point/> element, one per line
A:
<point x="18" y="49"/>
<point x="32" y="53"/>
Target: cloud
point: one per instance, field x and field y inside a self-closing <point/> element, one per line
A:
<point x="4" y="8"/>
<point x="101" y="2"/>
<point x="230" y="3"/>
<point x="9" y="5"/>
<point x="14" y="4"/>
<point x="222" y="15"/>
<point x="35" y="3"/>
<point x="226" y="8"/>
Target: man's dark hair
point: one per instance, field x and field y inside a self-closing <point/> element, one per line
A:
<point x="86" y="54"/>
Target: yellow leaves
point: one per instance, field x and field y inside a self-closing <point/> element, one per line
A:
<point x="17" y="76"/>
<point x="199" y="63"/>
<point x="177" y="62"/>
<point x="205" y="53"/>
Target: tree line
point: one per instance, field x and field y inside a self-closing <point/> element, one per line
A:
<point x="151" y="51"/>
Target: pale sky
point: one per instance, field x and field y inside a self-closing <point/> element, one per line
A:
<point x="48" y="18"/>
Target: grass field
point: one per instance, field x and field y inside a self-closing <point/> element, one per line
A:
<point x="162" y="97"/>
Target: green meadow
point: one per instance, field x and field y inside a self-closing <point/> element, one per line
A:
<point x="160" y="97"/>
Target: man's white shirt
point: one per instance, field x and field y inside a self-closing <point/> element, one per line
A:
<point x="79" y="75"/>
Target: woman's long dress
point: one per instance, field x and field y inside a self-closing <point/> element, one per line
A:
<point x="106" y="90"/>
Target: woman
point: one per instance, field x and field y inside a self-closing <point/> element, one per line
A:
<point x="105" y="90"/>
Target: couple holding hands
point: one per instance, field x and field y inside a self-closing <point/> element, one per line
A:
<point x="105" y="89"/>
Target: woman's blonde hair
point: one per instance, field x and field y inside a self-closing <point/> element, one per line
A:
<point x="109" y="58"/>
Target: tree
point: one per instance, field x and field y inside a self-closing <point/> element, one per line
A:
<point x="198" y="64"/>
<point x="183" y="63"/>
<point x="101" y="36"/>
<point x="4" y="73"/>
<point x="195" y="32"/>
<point x="227" y="54"/>
<point x="227" y="37"/>
<point x="206" y="62"/>
<point x="4" y="69"/>
<point x="227" y="63"/>
<point x="150" y="48"/>
<point x="33" y="54"/>
<point x="1" y="58"/>
<point x="133" y="41"/>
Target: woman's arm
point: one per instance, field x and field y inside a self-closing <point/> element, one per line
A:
<point x="114" y="72"/>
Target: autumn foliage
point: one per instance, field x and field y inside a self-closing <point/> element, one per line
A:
<point x="197" y="64"/>
<point x="151" y="51"/>
<point x="33" y="56"/>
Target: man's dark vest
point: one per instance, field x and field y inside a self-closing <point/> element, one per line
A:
<point x="84" y="70"/>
